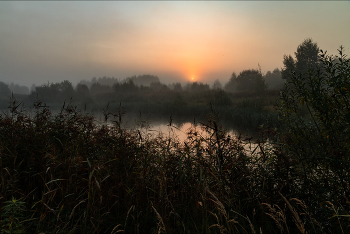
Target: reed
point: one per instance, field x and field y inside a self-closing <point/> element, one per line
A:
<point x="73" y="174"/>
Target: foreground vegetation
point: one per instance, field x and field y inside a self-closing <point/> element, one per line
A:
<point x="68" y="173"/>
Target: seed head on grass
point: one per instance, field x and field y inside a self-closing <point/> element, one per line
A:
<point x="277" y="215"/>
<point x="161" y="226"/>
<point x="296" y="218"/>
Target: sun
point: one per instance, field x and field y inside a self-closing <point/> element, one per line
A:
<point x="193" y="77"/>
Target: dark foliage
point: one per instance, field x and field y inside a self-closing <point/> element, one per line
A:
<point x="4" y="89"/>
<point x="306" y="57"/>
<point x="251" y="81"/>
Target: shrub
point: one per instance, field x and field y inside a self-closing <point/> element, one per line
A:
<point x="317" y="145"/>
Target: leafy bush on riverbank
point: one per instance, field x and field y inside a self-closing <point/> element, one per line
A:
<point x="318" y="145"/>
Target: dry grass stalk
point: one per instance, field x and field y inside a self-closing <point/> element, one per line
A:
<point x="251" y="226"/>
<point x="161" y="225"/>
<point x="219" y="205"/>
<point x="71" y="215"/>
<point x="331" y="207"/>
<point x="127" y="215"/>
<point x="222" y="210"/>
<point x="305" y="209"/>
<point x="114" y="230"/>
<point x="296" y="218"/>
<point x="278" y="216"/>
<point x="221" y="228"/>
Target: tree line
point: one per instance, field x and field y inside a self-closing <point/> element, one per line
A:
<point x="251" y="81"/>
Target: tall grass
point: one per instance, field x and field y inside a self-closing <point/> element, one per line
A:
<point x="75" y="175"/>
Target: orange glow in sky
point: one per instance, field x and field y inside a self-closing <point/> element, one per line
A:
<point x="179" y="41"/>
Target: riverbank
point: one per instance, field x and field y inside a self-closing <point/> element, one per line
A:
<point x="63" y="173"/>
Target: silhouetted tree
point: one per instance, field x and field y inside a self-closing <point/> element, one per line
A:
<point x="4" y="89"/>
<point x="18" y="89"/>
<point x="251" y="81"/>
<point x="217" y="84"/>
<point x="288" y="67"/>
<point x="306" y="57"/>
<point x="47" y="92"/>
<point x="83" y="93"/>
<point x="82" y="89"/>
<point x="144" y="80"/>
<point x="85" y="82"/>
<point x="66" y="88"/>
<point x="107" y="81"/>
<point x="179" y="101"/>
<point x="176" y="87"/>
<point x="198" y="87"/>
<point x="54" y="92"/>
<point x="99" y="88"/>
<point x="221" y="98"/>
<point x="32" y="88"/>
<point x="126" y="86"/>
<point x="157" y="86"/>
<point x="231" y="85"/>
<point x="274" y="79"/>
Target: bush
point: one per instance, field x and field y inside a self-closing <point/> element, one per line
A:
<point x="317" y="144"/>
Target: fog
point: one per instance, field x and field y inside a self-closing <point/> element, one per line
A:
<point x="48" y="42"/>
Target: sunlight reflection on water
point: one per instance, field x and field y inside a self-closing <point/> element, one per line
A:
<point x="181" y="133"/>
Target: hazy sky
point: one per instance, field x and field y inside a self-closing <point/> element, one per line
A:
<point x="50" y="41"/>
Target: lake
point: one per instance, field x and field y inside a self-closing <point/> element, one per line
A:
<point x="180" y="128"/>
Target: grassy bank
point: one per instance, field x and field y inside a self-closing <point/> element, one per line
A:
<point x="64" y="173"/>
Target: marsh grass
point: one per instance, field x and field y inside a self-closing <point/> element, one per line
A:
<point x="75" y="175"/>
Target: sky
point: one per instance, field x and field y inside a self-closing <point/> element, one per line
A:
<point x="178" y="41"/>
